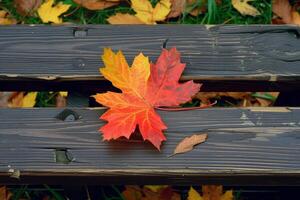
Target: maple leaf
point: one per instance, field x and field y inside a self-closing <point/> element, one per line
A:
<point x="50" y="13"/>
<point x="210" y="192"/>
<point x="27" y="7"/>
<point x="144" y="87"/>
<point x="149" y="15"/>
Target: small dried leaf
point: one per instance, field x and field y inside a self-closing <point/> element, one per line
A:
<point x="177" y="8"/>
<point x="97" y="4"/>
<point x="120" y="18"/>
<point x="27" y="7"/>
<point x="244" y="8"/>
<point x="188" y="143"/>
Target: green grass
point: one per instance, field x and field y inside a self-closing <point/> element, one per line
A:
<point x="215" y="14"/>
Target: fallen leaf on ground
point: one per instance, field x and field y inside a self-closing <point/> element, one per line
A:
<point x="49" y="12"/>
<point x="286" y="12"/>
<point x="120" y="18"/>
<point x="138" y="193"/>
<point x="6" y="19"/>
<point x="166" y="193"/>
<point x="188" y="143"/>
<point x="18" y="99"/>
<point x="4" y="193"/>
<point x="195" y="7"/>
<point x="29" y="100"/>
<point x="4" y="98"/>
<point x="97" y="4"/>
<point x="144" y="88"/>
<point x="194" y="195"/>
<point x="244" y="7"/>
<point x="177" y="8"/>
<point x="149" y="15"/>
<point x="27" y="7"/>
<point x="132" y="193"/>
<point x="210" y="192"/>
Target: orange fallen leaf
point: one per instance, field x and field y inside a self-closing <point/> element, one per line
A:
<point x="120" y="18"/>
<point x="188" y="143"/>
<point x="132" y="193"/>
<point x="4" y="193"/>
<point x="97" y="4"/>
<point x="286" y="12"/>
<point x="6" y="19"/>
<point x="210" y="192"/>
<point x="144" y="87"/>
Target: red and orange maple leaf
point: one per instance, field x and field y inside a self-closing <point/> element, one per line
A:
<point x="144" y="87"/>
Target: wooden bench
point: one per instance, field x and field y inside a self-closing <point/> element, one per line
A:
<point x="245" y="146"/>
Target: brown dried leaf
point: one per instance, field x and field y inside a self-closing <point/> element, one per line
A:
<point x="177" y="8"/>
<point x="201" y="8"/>
<point x="286" y="12"/>
<point x="188" y="143"/>
<point x="120" y="18"/>
<point x="27" y="7"/>
<point x="97" y="4"/>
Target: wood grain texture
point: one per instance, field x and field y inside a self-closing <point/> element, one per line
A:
<point x="244" y="147"/>
<point x="65" y="54"/>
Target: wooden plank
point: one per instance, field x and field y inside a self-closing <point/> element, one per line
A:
<point x="58" y="55"/>
<point x="244" y="147"/>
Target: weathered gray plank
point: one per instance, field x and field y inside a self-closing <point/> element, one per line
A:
<point x="244" y="146"/>
<point x="268" y="53"/>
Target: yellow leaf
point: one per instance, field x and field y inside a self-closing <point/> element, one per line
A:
<point x="161" y="10"/>
<point x="149" y="15"/>
<point x="227" y="196"/>
<point x="244" y="8"/>
<point x="63" y="94"/>
<point x="194" y="195"/>
<point x="155" y="188"/>
<point x="120" y="18"/>
<point x="29" y="100"/>
<point x="5" y="19"/>
<point x="50" y="13"/>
